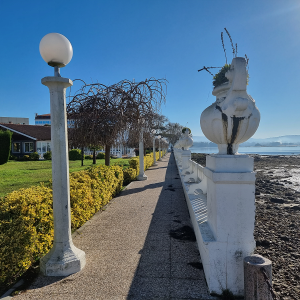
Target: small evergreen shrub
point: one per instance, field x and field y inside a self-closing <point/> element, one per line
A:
<point x="25" y="157"/>
<point x="88" y="157"/>
<point x="48" y="155"/>
<point x="5" y="146"/>
<point x="34" y="156"/>
<point x="75" y="154"/>
<point x="101" y="155"/>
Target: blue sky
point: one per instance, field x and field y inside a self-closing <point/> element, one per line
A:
<point x="172" y="39"/>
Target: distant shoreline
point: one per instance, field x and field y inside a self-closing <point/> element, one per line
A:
<point x="250" y="146"/>
<point x="272" y="146"/>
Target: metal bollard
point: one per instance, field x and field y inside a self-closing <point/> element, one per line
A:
<point x="258" y="278"/>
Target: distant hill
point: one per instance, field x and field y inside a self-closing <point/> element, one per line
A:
<point x="282" y="139"/>
<point x="200" y="139"/>
<point x="294" y="139"/>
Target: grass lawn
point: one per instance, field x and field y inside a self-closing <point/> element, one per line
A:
<point x="22" y="174"/>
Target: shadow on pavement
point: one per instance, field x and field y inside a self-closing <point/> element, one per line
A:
<point x="170" y="266"/>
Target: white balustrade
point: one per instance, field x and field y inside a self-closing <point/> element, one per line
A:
<point x="221" y="196"/>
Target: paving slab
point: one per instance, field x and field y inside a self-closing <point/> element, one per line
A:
<point x="140" y="247"/>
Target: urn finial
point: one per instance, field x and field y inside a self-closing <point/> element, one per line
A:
<point x="185" y="141"/>
<point x="234" y="117"/>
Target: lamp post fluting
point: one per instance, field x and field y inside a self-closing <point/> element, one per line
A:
<point x="64" y="258"/>
<point x="142" y="175"/>
<point x="159" y="150"/>
<point x="154" y="154"/>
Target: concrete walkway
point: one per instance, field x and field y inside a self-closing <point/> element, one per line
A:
<point x="141" y="247"/>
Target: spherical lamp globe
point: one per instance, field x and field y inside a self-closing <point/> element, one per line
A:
<point x="56" y="50"/>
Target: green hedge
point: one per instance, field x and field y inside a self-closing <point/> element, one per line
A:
<point x="48" y="155"/>
<point x="100" y="155"/>
<point x="34" y="156"/>
<point x="75" y="154"/>
<point x="5" y="146"/>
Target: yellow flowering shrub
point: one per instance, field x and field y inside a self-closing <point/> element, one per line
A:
<point x="26" y="229"/>
<point x="134" y="163"/>
<point x="92" y="189"/>
<point x="26" y="216"/>
<point x="148" y="161"/>
<point x="129" y="175"/>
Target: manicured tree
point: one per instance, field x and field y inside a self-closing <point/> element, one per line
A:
<point x="5" y="146"/>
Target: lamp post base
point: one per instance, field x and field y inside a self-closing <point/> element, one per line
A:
<point x="142" y="177"/>
<point x="62" y="260"/>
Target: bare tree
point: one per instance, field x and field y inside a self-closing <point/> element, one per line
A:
<point x="105" y="115"/>
<point x="172" y="132"/>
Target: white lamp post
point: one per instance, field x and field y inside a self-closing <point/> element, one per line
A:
<point x="154" y="154"/>
<point x="142" y="175"/>
<point x="64" y="258"/>
<point x="159" y="137"/>
<point x="165" y="143"/>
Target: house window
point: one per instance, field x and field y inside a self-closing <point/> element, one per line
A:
<point x="38" y="147"/>
<point x="16" y="147"/>
<point x="43" y="147"/>
<point x="28" y="147"/>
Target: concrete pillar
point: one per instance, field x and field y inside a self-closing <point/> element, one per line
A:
<point x="141" y="175"/>
<point x="255" y="283"/>
<point x="185" y="157"/>
<point x="154" y="154"/>
<point x="231" y="217"/>
<point x="64" y="258"/>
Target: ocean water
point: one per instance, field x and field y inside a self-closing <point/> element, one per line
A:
<point x="253" y="150"/>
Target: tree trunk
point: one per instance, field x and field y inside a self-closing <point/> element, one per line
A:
<point x="82" y="156"/>
<point x="94" y="156"/>
<point x="107" y="155"/>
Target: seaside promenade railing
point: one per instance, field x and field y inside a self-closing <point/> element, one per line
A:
<point x="220" y="199"/>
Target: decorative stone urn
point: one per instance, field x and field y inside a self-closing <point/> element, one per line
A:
<point x="234" y="117"/>
<point x="185" y="141"/>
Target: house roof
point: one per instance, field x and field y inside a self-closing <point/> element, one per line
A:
<point x="45" y="116"/>
<point x="36" y="132"/>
